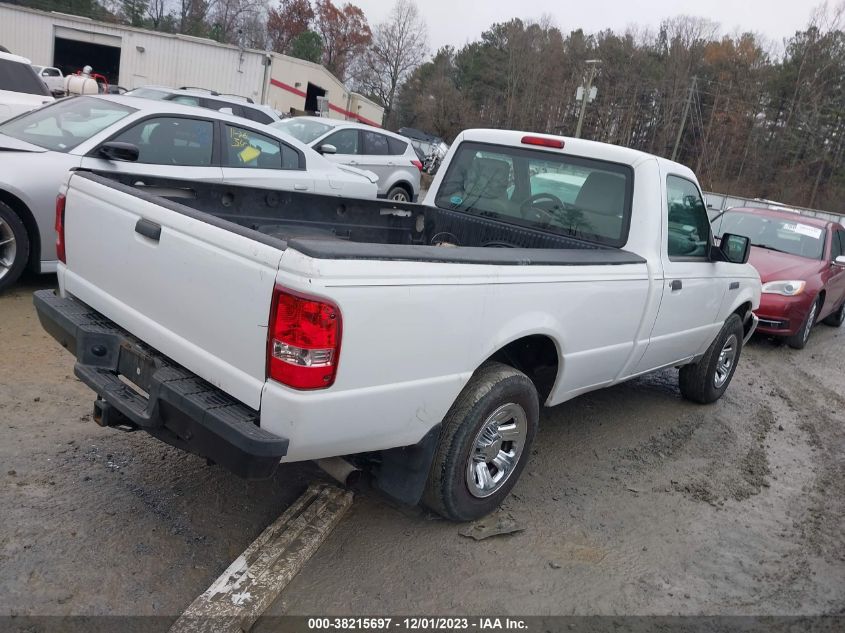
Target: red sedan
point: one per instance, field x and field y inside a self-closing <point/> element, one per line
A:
<point x="801" y="261"/>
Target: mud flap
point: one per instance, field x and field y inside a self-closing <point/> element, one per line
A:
<point x="403" y="472"/>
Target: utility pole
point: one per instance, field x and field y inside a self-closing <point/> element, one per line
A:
<point x="593" y="64"/>
<point x="684" y="117"/>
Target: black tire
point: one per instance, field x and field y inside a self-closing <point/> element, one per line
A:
<point x="836" y="318"/>
<point x="493" y="387"/>
<point x="11" y="227"/>
<point x="800" y="338"/>
<point x="399" y="194"/>
<point x="698" y="381"/>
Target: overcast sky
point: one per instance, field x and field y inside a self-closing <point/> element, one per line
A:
<point x="459" y="21"/>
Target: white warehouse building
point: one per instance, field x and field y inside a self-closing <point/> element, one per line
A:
<point x="132" y="57"/>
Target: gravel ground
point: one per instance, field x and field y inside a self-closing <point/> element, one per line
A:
<point x="634" y="502"/>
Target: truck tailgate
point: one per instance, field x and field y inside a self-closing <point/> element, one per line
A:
<point x="200" y="293"/>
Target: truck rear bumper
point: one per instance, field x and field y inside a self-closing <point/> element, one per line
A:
<point x="138" y="388"/>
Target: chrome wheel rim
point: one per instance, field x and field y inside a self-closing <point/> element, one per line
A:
<point x="811" y="319"/>
<point x="496" y="450"/>
<point x="8" y="248"/>
<point x="400" y="196"/>
<point x="726" y="361"/>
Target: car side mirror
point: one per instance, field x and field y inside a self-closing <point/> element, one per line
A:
<point x="840" y="260"/>
<point x="327" y="148"/>
<point x="115" y="150"/>
<point x="732" y="248"/>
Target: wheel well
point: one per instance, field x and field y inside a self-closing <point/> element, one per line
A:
<point x="405" y="185"/>
<point x="18" y="206"/>
<point x="743" y="311"/>
<point x="536" y="356"/>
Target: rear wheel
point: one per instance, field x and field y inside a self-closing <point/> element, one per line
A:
<point x="484" y="444"/>
<point x="837" y="318"/>
<point x="399" y="194"/>
<point x="800" y="338"/>
<point x="705" y="381"/>
<point x="14" y="246"/>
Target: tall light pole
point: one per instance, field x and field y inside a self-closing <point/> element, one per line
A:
<point x="593" y="64"/>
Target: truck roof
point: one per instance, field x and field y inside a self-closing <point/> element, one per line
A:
<point x="576" y="147"/>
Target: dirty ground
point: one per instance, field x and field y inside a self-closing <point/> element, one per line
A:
<point x="634" y="502"/>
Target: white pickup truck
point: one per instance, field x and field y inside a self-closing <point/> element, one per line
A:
<point x="252" y="326"/>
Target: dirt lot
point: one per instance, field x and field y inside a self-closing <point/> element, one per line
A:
<point x="634" y="502"/>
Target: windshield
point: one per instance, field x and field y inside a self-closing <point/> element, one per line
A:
<point x="778" y="234"/>
<point x="581" y="197"/>
<point x="65" y="124"/>
<point x="19" y="77"/>
<point x="302" y="129"/>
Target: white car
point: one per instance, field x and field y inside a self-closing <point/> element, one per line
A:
<point x="420" y="340"/>
<point x="211" y="99"/>
<point x="52" y="77"/>
<point x="390" y="156"/>
<point x="145" y="138"/>
<point x="21" y="89"/>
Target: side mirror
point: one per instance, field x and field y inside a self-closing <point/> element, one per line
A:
<point x="839" y="261"/>
<point x="114" y="150"/>
<point x="732" y="248"/>
<point x="327" y="148"/>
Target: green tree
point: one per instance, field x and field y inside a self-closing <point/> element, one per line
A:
<point x="308" y="45"/>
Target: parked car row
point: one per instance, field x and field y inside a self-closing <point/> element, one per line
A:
<point x="142" y="137"/>
<point x="333" y="154"/>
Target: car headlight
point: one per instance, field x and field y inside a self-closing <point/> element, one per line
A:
<point x="785" y="288"/>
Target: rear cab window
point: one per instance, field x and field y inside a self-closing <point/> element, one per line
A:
<point x="569" y="195"/>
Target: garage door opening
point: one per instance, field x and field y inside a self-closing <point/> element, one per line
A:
<point x="71" y="56"/>
<point x="311" y="105"/>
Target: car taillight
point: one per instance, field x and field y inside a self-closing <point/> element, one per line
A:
<point x="417" y="164"/>
<point x="303" y="345"/>
<point x="542" y="141"/>
<point x="60" y="228"/>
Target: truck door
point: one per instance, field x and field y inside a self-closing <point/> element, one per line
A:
<point x="692" y="288"/>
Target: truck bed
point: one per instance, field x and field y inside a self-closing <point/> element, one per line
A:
<point x="328" y="227"/>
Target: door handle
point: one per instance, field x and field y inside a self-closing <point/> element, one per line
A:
<point x="148" y="229"/>
<point x="676" y="284"/>
<point x="298" y="187"/>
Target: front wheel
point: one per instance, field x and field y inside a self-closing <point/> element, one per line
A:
<point x="705" y="381"/>
<point x="484" y="443"/>
<point x="800" y="338"/>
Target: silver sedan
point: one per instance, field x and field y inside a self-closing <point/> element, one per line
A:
<point x="146" y="138"/>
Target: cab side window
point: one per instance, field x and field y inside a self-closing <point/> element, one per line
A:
<point x="689" y="227"/>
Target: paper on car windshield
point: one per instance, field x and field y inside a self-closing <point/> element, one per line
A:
<point x="803" y="229"/>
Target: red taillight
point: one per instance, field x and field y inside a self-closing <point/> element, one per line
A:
<point x="417" y="164"/>
<point x="60" y="228"/>
<point x="304" y="340"/>
<point x="542" y="141"/>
